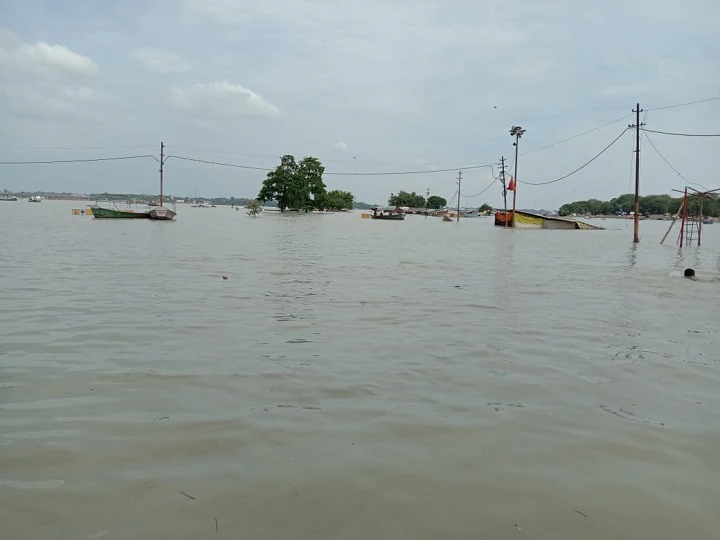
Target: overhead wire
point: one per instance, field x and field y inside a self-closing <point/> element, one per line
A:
<point x="684" y="104"/>
<point x="332" y="173"/>
<point x="579" y="168"/>
<point x="670" y="164"/>
<point x="44" y="162"/>
<point x="576" y="136"/>
<point x="483" y="191"/>
<point x="682" y="134"/>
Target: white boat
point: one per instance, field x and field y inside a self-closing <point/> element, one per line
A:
<point x="36" y="198"/>
<point x="8" y="198"/>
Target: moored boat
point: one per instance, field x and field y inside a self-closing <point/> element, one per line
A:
<point x="36" y="198"/>
<point x="8" y="198"/>
<point x="113" y="213"/>
<point x="161" y="213"/>
<point x="391" y="215"/>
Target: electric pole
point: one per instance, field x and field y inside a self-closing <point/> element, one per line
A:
<point x="458" y="183"/>
<point x="637" y="125"/>
<point x="427" y="197"/>
<point x="162" y="159"/>
<point x="502" y="179"/>
<point x="517" y="132"/>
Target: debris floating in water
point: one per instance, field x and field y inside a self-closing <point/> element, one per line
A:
<point x="188" y="495"/>
<point x="225" y="278"/>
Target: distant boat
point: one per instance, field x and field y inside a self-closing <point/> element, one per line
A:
<point x="708" y="222"/>
<point x="391" y="215"/>
<point x="154" y="203"/>
<point x="34" y="199"/>
<point x="8" y="198"/>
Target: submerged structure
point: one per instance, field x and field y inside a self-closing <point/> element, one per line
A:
<point x="529" y="220"/>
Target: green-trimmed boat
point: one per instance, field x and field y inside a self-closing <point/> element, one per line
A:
<point x="112" y="213"/>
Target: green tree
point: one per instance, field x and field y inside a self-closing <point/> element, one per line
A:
<point x="435" y="202"/>
<point x="403" y="198"/>
<point x="295" y="186"/>
<point x="485" y="208"/>
<point x="339" y="200"/>
<point x="253" y="207"/>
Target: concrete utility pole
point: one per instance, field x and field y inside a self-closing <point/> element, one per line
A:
<point x="502" y="177"/>
<point x="517" y="132"/>
<point x="637" y="125"/>
<point x="458" y="183"/>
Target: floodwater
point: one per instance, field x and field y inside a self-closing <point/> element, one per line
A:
<point x="354" y="379"/>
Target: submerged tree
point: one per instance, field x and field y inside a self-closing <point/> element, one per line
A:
<point x="339" y="200"/>
<point x="253" y="207"/>
<point x="295" y="186"/>
<point x="403" y="198"/>
<point x="436" y="202"/>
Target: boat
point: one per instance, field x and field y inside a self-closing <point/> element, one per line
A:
<point x="391" y="215"/>
<point x="8" y="198"/>
<point x="708" y="222"/>
<point x="161" y="213"/>
<point x="34" y="199"/>
<point x="154" y="203"/>
<point x="115" y="213"/>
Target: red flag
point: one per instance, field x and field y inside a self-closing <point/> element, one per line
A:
<point x="511" y="186"/>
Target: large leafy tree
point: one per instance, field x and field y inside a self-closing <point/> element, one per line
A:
<point x="295" y="186"/>
<point x="403" y="198"/>
<point x="339" y="200"/>
<point x="435" y="202"/>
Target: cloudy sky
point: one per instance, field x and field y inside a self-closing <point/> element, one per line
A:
<point x="365" y="85"/>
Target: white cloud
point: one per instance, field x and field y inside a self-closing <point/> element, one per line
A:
<point x="340" y="146"/>
<point x="41" y="58"/>
<point x="162" y="61"/>
<point x="220" y="98"/>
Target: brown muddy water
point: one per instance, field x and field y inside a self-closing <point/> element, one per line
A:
<point x="354" y="379"/>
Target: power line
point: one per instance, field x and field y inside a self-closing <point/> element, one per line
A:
<point x="273" y="156"/>
<point x="220" y="163"/>
<point x="684" y="104"/>
<point x="483" y="191"/>
<point x="670" y="164"/>
<point x="579" y="168"/>
<point x="18" y="148"/>
<point x="684" y="134"/>
<point x="331" y="173"/>
<point x="75" y="160"/>
<point x="576" y="136"/>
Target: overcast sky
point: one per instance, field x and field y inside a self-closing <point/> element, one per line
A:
<point x="365" y="85"/>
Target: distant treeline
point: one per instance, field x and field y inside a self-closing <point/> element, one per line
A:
<point x="649" y="205"/>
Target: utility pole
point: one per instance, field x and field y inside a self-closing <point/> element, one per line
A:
<point x="458" y="183"/>
<point x="502" y="177"/>
<point x="162" y="160"/>
<point x="517" y="132"/>
<point x="427" y="196"/>
<point x="637" y="125"/>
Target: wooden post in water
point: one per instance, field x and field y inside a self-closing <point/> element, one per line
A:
<point x="700" y="222"/>
<point x="684" y="218"/>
